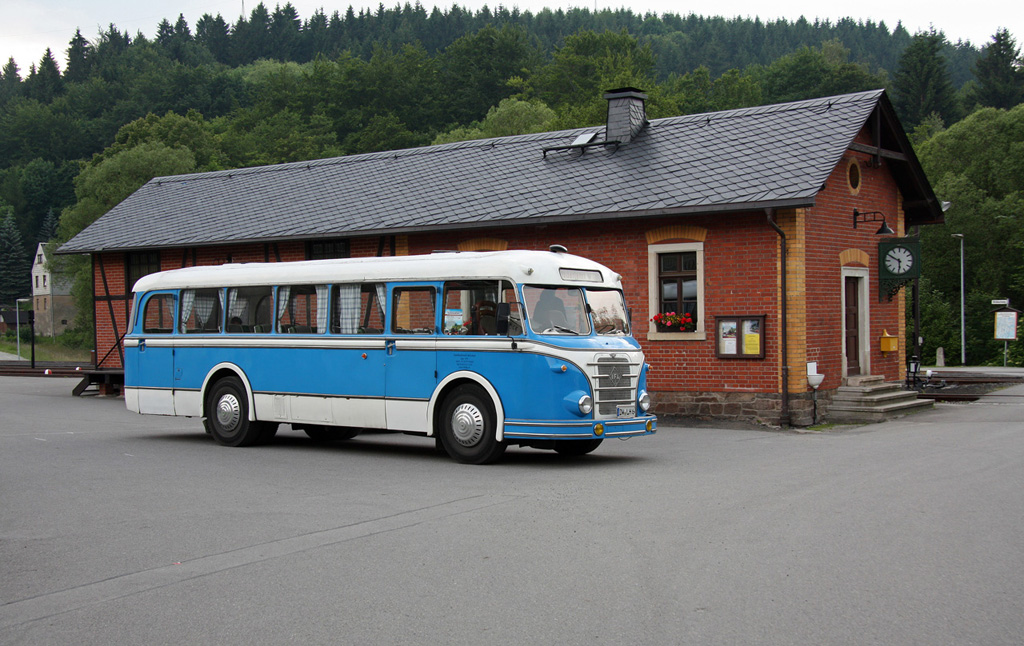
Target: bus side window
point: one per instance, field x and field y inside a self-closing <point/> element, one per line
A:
<point x="200" y="311"/>
<point x="244" y="313"/>
<point x="302" y="309"/>
<point x="413" y="310"/>
<point x="470" y="306"/>
<point x="358" y="309"/>
<point x="158" y="315"/>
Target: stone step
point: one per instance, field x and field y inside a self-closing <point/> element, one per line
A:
<point x="894" y="392"/>
<point x="865" y="380"/>
<point x="864" y="414"/>
<point x="869" y="398"/>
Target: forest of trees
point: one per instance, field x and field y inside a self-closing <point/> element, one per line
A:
<point x="79" y="134"/>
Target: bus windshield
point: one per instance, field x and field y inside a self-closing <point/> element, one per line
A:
<point x="608" y="310"/>
<point x="556" y="310"/>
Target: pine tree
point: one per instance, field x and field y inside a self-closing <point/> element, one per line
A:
<point x="285" y="39"/>
<point x="48" y="231"/>
<point x="1000" y="73"/>
<point x="79" y="58"/>
<point x="14" y="266"/>
<point x="213" y="33"/>
<point x="922" y="84"/>
<point x="45" y="84"/>
<point x="10" y="81"/>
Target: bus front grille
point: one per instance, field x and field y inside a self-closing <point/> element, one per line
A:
<point x="615" y="379"/>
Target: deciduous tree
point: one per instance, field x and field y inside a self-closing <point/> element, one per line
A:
<point x="978" y="165"/>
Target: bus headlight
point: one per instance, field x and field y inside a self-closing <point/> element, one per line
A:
<point x="645" y="401"/>
<point x="586" y="404"/>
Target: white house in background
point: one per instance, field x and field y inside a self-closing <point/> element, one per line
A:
<point x="51" y="296"/>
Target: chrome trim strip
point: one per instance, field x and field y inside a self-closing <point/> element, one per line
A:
<point x="583" y="424"/>
<point x="550" y="435"/>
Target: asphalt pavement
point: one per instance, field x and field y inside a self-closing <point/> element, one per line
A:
<point x="127" y="529"/>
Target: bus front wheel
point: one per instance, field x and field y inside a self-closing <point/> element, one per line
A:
<point x="227" y="415"/>
<point x="468" y="427"/>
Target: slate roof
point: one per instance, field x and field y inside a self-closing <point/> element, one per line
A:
<point x="735" y="160"/>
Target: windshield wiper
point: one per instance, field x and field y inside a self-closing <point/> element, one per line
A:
<point x="565" y="329"/>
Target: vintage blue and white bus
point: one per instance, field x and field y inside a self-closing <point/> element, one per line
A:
<point x="478" y="350"/>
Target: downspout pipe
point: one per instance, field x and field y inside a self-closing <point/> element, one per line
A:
<point x="784" y="412"/>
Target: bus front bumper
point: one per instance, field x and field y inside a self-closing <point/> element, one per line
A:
<point x="583" y="430"/>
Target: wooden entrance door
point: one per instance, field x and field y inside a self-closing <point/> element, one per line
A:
<point x="851" y="323"/>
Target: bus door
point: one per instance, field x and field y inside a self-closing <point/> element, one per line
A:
<point x="154" y="356"/>
<point x="410" y="356"/>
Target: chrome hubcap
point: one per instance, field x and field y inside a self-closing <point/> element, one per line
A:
<point x="467" y="424"/>
<point x="229" y="412"/>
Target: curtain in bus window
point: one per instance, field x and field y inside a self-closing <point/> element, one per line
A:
<point x="204" y="308"/>
<point x="282" y="304"/>
<point x="382" y="296"/>
<point x="237" y="305"/>
<point x="321" y="309"/>
<point x="188" y="296"/>
<point x="348" y="309"/>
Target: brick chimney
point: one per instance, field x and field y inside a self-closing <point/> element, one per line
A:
<point x="626" y="114"/>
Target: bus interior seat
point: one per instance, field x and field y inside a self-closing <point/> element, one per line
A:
<point x="486" y="321"/>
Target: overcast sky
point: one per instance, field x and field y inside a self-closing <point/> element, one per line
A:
<point x="30" y="26"/>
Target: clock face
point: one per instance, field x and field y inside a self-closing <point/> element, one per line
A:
<point x="899" y="260"/>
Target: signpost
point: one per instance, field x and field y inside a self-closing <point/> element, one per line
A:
<point x="1005" y="325"/>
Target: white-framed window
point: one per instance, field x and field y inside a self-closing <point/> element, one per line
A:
<point x="675" y="275"/>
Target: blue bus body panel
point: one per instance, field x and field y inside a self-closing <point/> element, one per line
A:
<point x="281" y="370"/>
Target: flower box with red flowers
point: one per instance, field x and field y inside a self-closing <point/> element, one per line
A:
<point x="672" y="322"/>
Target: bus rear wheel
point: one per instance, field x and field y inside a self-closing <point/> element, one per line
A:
<point x="468" y="427"/>
<point x="227" y="415"/>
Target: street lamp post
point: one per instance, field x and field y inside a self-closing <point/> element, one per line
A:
<point x="963" y="333"/>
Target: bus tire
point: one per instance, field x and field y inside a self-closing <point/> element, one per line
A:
<point x="468" y="427"/>
<point x="574" y="448"/>
<point x="227" y="414"/>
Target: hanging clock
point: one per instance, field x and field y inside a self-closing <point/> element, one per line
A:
<point x="899" y="262"/>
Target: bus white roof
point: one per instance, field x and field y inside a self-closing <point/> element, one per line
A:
<point x="538" y="267"/>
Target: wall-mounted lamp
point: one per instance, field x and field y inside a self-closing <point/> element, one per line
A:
<point x="873" y="216"/>
<point x="814" y="381"/>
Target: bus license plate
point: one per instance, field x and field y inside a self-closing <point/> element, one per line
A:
<point x="625" y="411"/>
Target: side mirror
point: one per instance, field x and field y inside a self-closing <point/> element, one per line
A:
<point x="501" y="318"/>
<point x="508" y="318"/>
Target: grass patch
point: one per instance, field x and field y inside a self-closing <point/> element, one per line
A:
<point x="821" y="428"/>
<point x="47" y="349"/>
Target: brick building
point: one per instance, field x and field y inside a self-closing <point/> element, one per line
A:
<point x="760" y="222"/>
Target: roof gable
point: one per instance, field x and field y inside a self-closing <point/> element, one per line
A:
<point x="777" y="155"/>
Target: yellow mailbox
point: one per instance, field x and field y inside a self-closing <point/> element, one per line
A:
<point x="887" y="342"/>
